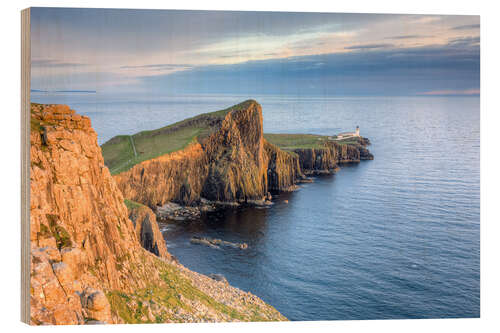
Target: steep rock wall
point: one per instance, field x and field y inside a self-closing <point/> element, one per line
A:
<point x="326" y="160"/>
<point x="230" y="164"/>
<point x="78" y="222"/>
<point x="317" y="161"/>
<point x="177" y="176"/>
<point x="283" y="168"/>
<point x="237" y="170"/>
<point x="147" y="230"/>
<point x="87" y="264"/>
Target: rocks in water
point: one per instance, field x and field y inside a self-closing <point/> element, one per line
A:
<point x="260" y="203"/>
<point x="218" y="277"/>
<point x="217" y="243"/>
<point x="204" y="241"/>
<point x="176" y="212"/>
<point x="364" y="154"/>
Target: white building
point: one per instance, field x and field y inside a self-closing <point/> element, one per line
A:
<point x="346" y="135"/>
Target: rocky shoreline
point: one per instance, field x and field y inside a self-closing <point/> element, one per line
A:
<point x="177" y="212"/>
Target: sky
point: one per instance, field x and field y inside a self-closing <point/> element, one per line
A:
<point x="176" y="52"/>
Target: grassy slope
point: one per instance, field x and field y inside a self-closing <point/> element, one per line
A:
<point x="119" y="155"/>
<point x="296" y="141"/>
<point x="290" y="142"/>
<point x="132" y="204"/>
<point x="175" y="295"/>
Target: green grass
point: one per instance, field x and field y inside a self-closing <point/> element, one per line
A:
<point x="119" y="154"/>
<point x="169" y="296"/>
<point x="132" y="204"/>
<point x="62" y="237"/>
<point x="296" y="141"/>
<point x="290" y="142"/>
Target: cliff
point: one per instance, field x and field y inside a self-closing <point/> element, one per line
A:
<point x="319" y="154"/>
<point x="230" y="162"/>
<point x="327" y="158"/>
<point x="225" y="158"/>
<point x="87" y="262"/>
<point x="146" y="229"/>
<point x="283" y="169"/>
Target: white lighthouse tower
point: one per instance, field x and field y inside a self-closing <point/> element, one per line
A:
<point x="357" y="130"/>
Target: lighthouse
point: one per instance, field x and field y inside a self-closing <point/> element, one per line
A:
<point x="357" y="130"/>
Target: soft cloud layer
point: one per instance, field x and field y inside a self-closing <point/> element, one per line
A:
<point x="246" y="52"/>
<point x="451" y="92"/>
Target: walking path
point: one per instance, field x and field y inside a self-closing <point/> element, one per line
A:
<point x="133" y="145"/>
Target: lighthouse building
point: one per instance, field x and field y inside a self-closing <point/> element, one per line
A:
<point x="346" y="135"/>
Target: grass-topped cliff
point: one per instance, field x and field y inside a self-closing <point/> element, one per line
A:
<point x="222" y="156"/>
<point x="290" y="142"/>
<point x="124" y="151"/>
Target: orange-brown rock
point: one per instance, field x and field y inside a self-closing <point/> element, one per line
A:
<point x="283" y="169"/>
<point x="79" y="224"/>
<point x="87" y="263"/>
<point x="233" y="163"/>
<point x="326" y="159"/>
<point x="179" y="175"/>
<point x="147" y="230"/>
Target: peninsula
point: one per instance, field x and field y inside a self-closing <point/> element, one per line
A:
<point x="222" y="158"/>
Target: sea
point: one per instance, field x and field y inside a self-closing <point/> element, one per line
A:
<point x="397" y="237"/>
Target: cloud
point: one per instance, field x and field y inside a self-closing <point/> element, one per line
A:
<point x="159" y="67"/>
<point x="464" y="41"/>
<point x="466" y="27"/>
<point x="258" y="51"/>
<point x="55" y="63"/>
<point x="382" y="71"/>
<point x="466" y="92"/>
<point x="368" y="46"/>
<point x="407" y="37"/>
<point x="426" y="19"/>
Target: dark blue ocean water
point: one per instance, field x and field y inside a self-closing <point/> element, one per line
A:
<point x="396" y="237"/>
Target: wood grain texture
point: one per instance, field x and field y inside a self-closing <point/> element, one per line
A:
<point x="25" y="158"/>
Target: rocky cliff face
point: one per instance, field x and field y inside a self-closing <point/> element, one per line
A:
<point x="230" y="164"/>
<point x="79" y="227"/>
<point x="87" y="262"/>
<point x="178" y="176"/>
<point x="235" y="154"/>
<point x="147" y="230"/>
<point x="314" y="161"/>
<point x="283" y="169"/>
